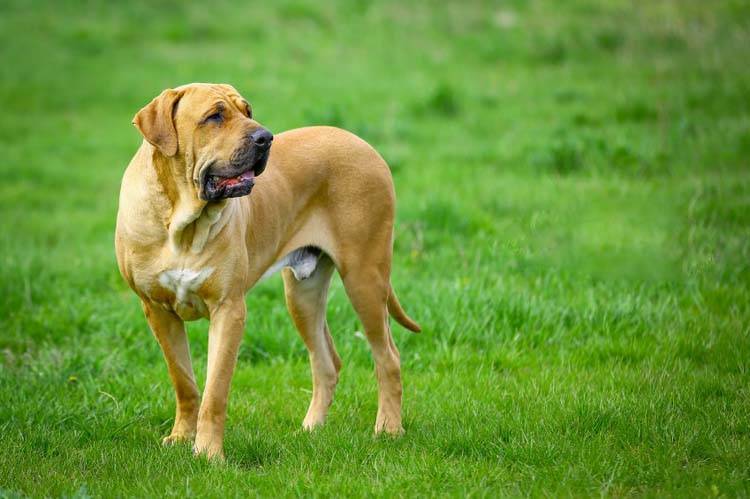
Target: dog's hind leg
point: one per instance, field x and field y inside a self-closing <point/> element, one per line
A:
<point x="367" y="287"/>
<point x="306" y="300"/>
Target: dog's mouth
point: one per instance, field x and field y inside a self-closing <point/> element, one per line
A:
<point x="221" y="185"/>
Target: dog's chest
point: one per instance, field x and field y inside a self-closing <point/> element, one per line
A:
<point x="184" y="285"/>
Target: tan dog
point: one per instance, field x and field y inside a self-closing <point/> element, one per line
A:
<point x="191" y="242"/>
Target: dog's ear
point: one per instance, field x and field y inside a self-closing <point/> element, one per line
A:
<point x="156" y="122"/>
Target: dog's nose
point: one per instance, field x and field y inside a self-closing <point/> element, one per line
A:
<point x="262" y="138"/>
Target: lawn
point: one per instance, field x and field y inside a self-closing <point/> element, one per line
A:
<point x="573" y="234"/>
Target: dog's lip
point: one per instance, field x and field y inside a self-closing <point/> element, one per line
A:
<point x="218" y="183"/>
<point x="228" y="184"/>
<point x="230" y="180"/>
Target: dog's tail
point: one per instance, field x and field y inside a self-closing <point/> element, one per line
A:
<point x="394" y="308"/>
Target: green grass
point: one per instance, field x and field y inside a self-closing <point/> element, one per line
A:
<point x="574" y="211"/>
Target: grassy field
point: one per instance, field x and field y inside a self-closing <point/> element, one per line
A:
<point x="573" y="235"/>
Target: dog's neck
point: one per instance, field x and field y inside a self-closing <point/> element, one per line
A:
<point x="192" y="225"/>
<point x="192" y="222"/>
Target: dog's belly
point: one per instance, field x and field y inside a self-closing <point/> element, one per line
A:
<point x="184" y="285"/>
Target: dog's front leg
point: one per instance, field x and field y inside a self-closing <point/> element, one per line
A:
<point x="224" y="336"/>
<point x="170" y="332"/>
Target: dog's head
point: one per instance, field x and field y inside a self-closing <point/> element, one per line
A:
<point x="208" y="131"/>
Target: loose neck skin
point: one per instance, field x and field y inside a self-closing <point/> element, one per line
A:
<point x="193" y="222"/>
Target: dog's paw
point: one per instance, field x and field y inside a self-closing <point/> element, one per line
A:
<point x="213" y="453"/>
<point x="177" y="438"/>
<point x="312" y="423"/>
<point x="391" y="430"/>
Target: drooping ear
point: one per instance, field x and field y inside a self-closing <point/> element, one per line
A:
<point x="156" y="122"/>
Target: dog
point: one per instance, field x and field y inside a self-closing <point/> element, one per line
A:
<point x="212" y="202"/>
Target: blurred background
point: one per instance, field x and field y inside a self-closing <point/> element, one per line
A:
<point x="572" y="234"/>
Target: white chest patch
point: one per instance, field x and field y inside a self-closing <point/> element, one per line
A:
<point x="184" y="283"/>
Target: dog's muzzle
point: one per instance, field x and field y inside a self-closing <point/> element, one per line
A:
<point x="238" y="177"/>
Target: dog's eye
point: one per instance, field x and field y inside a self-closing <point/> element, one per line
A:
<point x="214" y="118"/>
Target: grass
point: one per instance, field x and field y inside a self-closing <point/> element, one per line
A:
<point x="572" y="234"/>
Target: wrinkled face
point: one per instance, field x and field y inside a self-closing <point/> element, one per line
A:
<point x="221" y="146"/>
